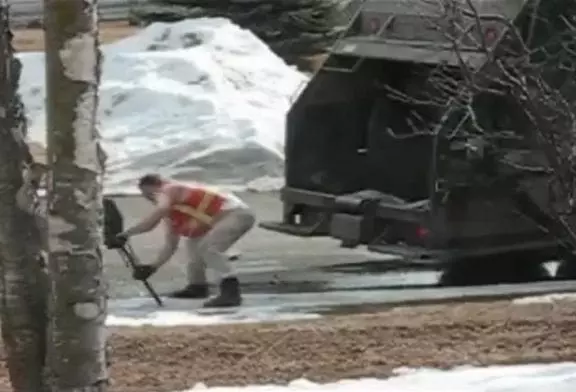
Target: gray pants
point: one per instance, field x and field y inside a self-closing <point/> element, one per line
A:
<point x="209" y="251"/>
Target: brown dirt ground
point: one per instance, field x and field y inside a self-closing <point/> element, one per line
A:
<point x="159" y="360"/>
<point x="26" y="40"/>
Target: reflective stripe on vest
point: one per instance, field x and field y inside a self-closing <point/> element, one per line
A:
<point x="198" y="214"/>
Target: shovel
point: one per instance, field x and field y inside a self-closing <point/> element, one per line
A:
<point x="129" y="256"/>
<point x="114" y="225"/>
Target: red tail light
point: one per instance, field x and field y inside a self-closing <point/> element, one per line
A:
<point x="422" y="232"/>
<point x="374" y="25"/>
<point x="490" y="35"/>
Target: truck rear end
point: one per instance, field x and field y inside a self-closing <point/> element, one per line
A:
<point x="363" y="166"/>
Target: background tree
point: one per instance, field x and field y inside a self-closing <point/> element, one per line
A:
<point x="22" y="273"/>
<point x="77" y="301"/>
<point x="514" y="82"/>
<point x="533" y="67"/>
<point x="292" y="28"/>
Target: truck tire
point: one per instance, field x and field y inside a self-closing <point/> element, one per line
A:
<point x="491" y="270"/>
<point x="566" y="269"/>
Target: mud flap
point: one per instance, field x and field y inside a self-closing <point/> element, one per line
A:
<point x="529" y="208"/>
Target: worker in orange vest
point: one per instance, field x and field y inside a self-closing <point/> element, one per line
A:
<point x="210" y="221"/>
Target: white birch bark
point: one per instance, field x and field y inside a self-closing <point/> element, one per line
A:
<point x="77" y="301"/>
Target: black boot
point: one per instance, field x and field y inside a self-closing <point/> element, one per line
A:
<point x="192" y="291"/>
<point x="228" y="296"/>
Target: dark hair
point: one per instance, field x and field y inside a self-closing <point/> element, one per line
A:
<point x="150" y="180"/>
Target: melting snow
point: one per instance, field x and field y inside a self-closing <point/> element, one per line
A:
<point x="545" y="299"/>
<point x="559" y="377"/>
<point x="139" y="312"/>
<point x="174" y="319"/>
<point x="199" y="99"/>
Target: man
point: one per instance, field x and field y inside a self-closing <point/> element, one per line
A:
<point x="210" y="221"/>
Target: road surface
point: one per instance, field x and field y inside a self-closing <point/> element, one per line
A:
<point x="280" y="273"/>
<point x="266" y="257"/>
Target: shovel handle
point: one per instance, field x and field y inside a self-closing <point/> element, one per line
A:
<point x="129" y="256"/>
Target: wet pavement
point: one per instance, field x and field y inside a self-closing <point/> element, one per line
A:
<point x="268" y="259"/>
<point x="285" y="277"/>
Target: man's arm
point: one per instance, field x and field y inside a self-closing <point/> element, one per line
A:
<point x="170" y="245"/>
<point x="151" y="221"/>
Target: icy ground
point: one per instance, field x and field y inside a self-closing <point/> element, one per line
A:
<point x="258" y="308"/>
<point x="559" y="377"/>
<point x="199" y="99"/>
<point x="139" y="312"/>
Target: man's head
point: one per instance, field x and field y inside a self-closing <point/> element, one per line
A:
<point x="150" y="185"/>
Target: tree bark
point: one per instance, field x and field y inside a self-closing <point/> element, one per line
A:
<point x="77" y="302"/>
<point x="22" y="273"/>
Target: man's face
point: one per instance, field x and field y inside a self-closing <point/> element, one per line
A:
<point x="150" y="192"/>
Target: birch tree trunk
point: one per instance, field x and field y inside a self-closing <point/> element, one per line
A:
<point x="77" y="303"/>
<point x="22" y="274"/>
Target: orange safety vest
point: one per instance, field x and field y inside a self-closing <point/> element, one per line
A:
<point x="195" y="215"/>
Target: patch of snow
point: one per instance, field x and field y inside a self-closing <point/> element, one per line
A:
<point x="200" y="100"/>
<point x="139" y="312"/>
<point x="558" y="377"/>
<point x="276" y="306"/>
<point x="174" y="319"/>
<point x="545" y="299"/>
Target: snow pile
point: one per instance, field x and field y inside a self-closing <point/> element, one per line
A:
<point x="558" y="377"/>
<point x="199" y="99"/>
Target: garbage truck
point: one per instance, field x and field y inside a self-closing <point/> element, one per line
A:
<point x="378" y="154"/>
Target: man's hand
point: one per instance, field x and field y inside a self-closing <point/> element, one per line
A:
<point x="116" y="242"/>
<point x="143" y="271"/>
